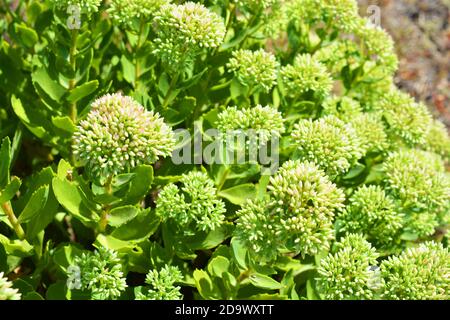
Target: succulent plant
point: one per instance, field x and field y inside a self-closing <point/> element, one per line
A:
<point x="119" y="134"/>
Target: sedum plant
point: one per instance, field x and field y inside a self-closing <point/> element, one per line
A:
<point x="306" y="76"/>
<point x="374" y="214"/>
<point x="329" y="142"/>
<point x="195" y="205"/>
<point x="162" y="284"/>
<point x="418" y="273"/>
<point x="297" y="215"/>
<point x="218" y="149"/>
<point x="119" y="134"/>
<point x="99" y="272"/>
<point x="351" y="272"/>
<point x="255" y="69"/>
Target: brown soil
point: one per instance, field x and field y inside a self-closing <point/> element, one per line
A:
<point x="421" y="30"/>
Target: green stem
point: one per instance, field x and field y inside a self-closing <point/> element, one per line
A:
<point x="7" y="209"/>
<point x="138" y="46"/>
<point x="72" y="82"/>
<point x="244" y="275"/>
<point x="103" y="222"/>
<point x="73" y="113"/>
<point x="172" y="86"/>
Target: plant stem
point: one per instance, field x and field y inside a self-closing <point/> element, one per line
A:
<point x="73" y="113"/>
<point x="7" y="209"/>
<point x="137" y="68"/>
<point x="173" y="83"/>
<point x="72" y="82"/>
<point x="103" y="222"/>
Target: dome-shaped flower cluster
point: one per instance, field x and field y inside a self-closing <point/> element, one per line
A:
<point x="306" y="75"/>
<point x="266" y="122"/>
<point x="378" y="44"/>
<point x="255" y="5"/>
<point x="418" y="273"/>
<point x="344" y="13"/>
<point x="7" y="292"/>
<point x="407" y="120"/>
<point x="437" y="140"/>
<point x="85" y="6"/>
<point x="119" y="134"/>
<point x="368" y="126"/>
<point x="254" y="69"/>
<point x="100" y="273"/>
<point x="183" y="30"/>
<point x="162" y="284"/>
<point x="374" y="214"/>
<point x="329" y="142"/>
<point x="418" y="180"/>
<point x="124" y="11"/>
<point x="304" y="11"/>
<point x="338" y="55"/>
<point x="193" y="206"/>
<point x="297" y="215"/>
<point x="370" y="129"/>
<point x="351" y="272"/>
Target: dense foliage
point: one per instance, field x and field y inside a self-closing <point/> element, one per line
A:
<point x="337" y="187"/>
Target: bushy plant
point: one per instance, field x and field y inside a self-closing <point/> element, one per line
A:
<point x="218" y="149"/>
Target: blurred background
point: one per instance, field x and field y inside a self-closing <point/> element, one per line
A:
<point x="421" y="30"/>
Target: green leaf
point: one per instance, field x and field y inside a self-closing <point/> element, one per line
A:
<point x="10" y="191"/>
<point x="44" y="216"/>
<point x="121" y="215"/>
<point x="36" y="203"/>
<point x="287" y="282"/>
<point x="287" y="263"/>
<point x="264" y="282"/>
<point x="409" y="236"/>
<point x="239" y="194"/>
<point x="230" y="283"/>
<point x="122" y="179"/>
<point x="204" y="285"/>
<point x="64" y="169"/>
<point x="140" y="228"/>
<point x="18" y="248"/>
<point x="32" y="296"/>
<point x="355" y="171"/>
<point x="218" y="265"/>
<point x="53" y="89"/>
<point x="128" y="69"/>
<point x="113" y="243"/>
<point x="140" y="185"/>
<point x="82" y="91"/>
<point x="209" y="240"/>
<point x="57" y="291"/>
<point x="32" y="119"/>
<point x="310" y="291"/>
<point x="237" y="89"/>
<point x="63" y="256"/>
<point x="70" y="197"/>
<point x="64" y="123"/>
<point x="239" y="253"/>
<point x="28" y="36"/>
<point x="5" y="162"/>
